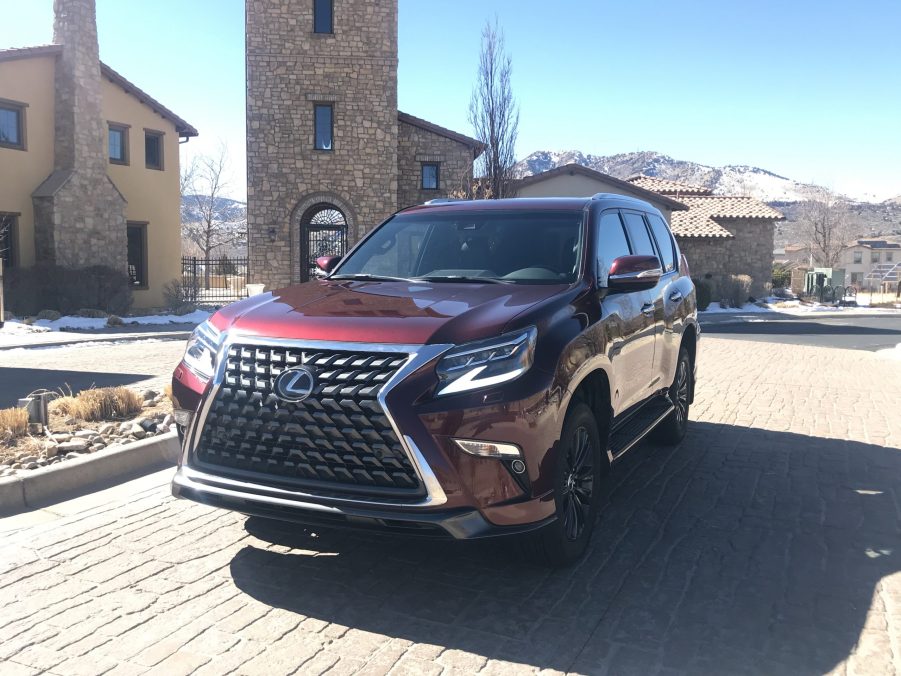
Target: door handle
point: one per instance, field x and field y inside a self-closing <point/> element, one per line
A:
<point x="647" y="309"/>
<point x="675" y="297"/>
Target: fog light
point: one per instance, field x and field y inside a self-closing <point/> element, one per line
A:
<point x="182" y="417"/>
<point x="489" y="449"/>
<point x="518" y="466"/>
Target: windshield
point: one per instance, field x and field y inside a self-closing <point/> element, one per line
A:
<point x="542" y="247"/>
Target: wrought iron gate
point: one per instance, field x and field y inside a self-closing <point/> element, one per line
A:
<point x="323" y="233"/>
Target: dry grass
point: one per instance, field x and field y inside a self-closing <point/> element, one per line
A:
<point x="13" y="422"/>
<point x="106" y="403"/>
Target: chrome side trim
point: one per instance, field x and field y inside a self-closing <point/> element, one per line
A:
<point x="419" y="355"/>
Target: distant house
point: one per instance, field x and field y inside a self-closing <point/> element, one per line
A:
<point x="867" y="261"/>
<point x="574" y="180"/>
<point x="89" y="162"/>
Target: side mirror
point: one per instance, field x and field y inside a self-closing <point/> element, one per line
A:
<point x="327" y="263"/>
<point x="634" y="273"/>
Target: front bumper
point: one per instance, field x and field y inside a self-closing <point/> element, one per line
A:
<point x="264" y="501"/>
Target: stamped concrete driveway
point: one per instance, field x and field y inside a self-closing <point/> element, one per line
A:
<point x="768" y="542"/>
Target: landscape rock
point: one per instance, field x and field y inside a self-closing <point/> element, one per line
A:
<point x="150" y="395"/>
<point x="28" y="460"/>
<point x="86" y="434"/>
<point x="60" y="437"/>
<point x="31" y="465"/>
<point x="74" y="446"/>
<point x="138" y="432"/>
<point x="148" y="425"/>
<point x="50" y="450"/>
<point x="108" y="428"/>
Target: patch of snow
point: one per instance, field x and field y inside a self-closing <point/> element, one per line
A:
<point x="891" y="353"/>
<point x="715" y="308"/>
<point x="89" y="323"/>
<point x="14" y="328"/>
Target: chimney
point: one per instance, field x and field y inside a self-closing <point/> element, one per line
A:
<point x="79" y="214"/>
<point x="80" y="128"/>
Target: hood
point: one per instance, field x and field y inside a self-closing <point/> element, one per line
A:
<point x="383" y="312"/>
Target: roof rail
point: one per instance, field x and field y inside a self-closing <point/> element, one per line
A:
<point x="606" y="195"/>
<point x="443" y="200"/>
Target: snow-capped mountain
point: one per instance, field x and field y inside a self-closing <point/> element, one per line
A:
<point x="731" y="180"/>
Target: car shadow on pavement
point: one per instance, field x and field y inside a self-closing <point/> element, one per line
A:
<point x="16" y="383"/>
<point x="797" y="328"/>
<point x="740" y="551"/>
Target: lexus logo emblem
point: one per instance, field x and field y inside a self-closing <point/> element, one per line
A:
<point x="295" y="384"/>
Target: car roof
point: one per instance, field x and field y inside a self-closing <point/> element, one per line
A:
<point x="533" y="204"/>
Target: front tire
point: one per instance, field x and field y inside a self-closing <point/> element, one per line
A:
<point x="672" y="430"/>
<point x="579" y="465"/>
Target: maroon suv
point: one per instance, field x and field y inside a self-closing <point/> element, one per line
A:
<point x="469" y="369"/>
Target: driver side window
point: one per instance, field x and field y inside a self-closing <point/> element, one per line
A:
<point x="612" y="244"/>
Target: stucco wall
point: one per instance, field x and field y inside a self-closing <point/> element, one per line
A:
<point x="27" y="81"/>
<point x="748" y="252"/>
<point x="579" y="185"/>
<point x="415" y="146"/>
<point x="153" y="196"/>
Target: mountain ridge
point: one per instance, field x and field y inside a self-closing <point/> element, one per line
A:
<point x="733" y="179"/>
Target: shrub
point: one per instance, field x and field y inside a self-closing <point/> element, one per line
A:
<point x="13" y="422"/>
<point x="735" y="291"/>
<point x="178" y="292"/>
<point x="227" y="266"/>
<point x="185" y="309"/>
<point x="106" y="403"/>
<point x="114" y="320"/>
<point x="91" y="313"/>
<point x="49" y="315"/>
<point x="30" y="290"/>
<point x="782" y="277"/>
<point x="704" y="293"/>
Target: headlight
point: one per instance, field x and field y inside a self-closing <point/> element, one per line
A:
<point x="200" y="354"/>
<point x="488" y="362"/>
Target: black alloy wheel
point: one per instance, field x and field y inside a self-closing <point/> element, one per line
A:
<point x="578" y="487"/>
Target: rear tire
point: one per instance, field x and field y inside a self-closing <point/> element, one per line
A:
<point x="672" y="430"/>
<point x="577" y="478"/>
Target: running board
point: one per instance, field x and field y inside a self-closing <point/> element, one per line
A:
<point x="624" y="437"/>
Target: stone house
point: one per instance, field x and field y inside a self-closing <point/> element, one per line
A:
<point x="90" y="162"/>
<point x="720" y="235"/>
<point x="329" y="156"/>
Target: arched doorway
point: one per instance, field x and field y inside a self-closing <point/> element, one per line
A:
<point x="323" y="232"/>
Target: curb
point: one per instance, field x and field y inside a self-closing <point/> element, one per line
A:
<point x="102" y="338"/>
<point x="47" y="485"/>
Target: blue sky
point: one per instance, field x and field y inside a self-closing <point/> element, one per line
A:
<point x="807" y="89"/>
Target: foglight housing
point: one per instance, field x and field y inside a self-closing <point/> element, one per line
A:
<point x="485" y="363"/>
<point x="200" y="354"/>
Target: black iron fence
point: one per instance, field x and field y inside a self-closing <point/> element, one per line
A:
<point x="220" y="280"/>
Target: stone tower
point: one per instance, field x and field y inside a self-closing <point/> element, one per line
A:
<point x="334" y="61"/>
<point x="79" y="213"/>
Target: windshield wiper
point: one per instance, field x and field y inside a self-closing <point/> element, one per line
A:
<point x="464" y="279"/>
<point x="363" y="277"/>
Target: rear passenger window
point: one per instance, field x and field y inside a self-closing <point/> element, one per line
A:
<point x="664" y="242"/>
<point x="638" y="235"/>
<point x="612" y="242"/>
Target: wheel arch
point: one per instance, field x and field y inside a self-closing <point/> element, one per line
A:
<point x="690" y="343"/>
<point x="594" y="390"/>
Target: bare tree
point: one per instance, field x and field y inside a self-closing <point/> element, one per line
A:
<point x="828" y="227"/>
<point x="494" y="113"/>
<point x="207" y="220"/>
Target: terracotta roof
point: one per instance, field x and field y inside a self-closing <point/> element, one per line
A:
<point x="477" y="146"/>
<point x="625" y="186"/>
<point x="666" y="187"/>
<point x="182" y="127"/>
<point x="701" y="219"/>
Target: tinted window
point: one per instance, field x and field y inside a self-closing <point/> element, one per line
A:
<point x="137" y="254"/>
<point x="11" y="127"/>
<point x="515" y="246"/>
<point x="153" y="150"/>
<point x="430" y="176"/>
<point x="322" y="16"/>
<point x="612" y="241"/>
<point x="664" y="242"/>
<point x="638" y="235"/>
<point x="323" y="127"/>
<point x="117" y="145"/>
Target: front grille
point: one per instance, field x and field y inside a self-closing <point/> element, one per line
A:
<point x="337" y="441"/>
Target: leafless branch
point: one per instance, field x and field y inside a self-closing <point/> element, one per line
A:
<point x="493" y="112"/>
<point x="828" y="227"/>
